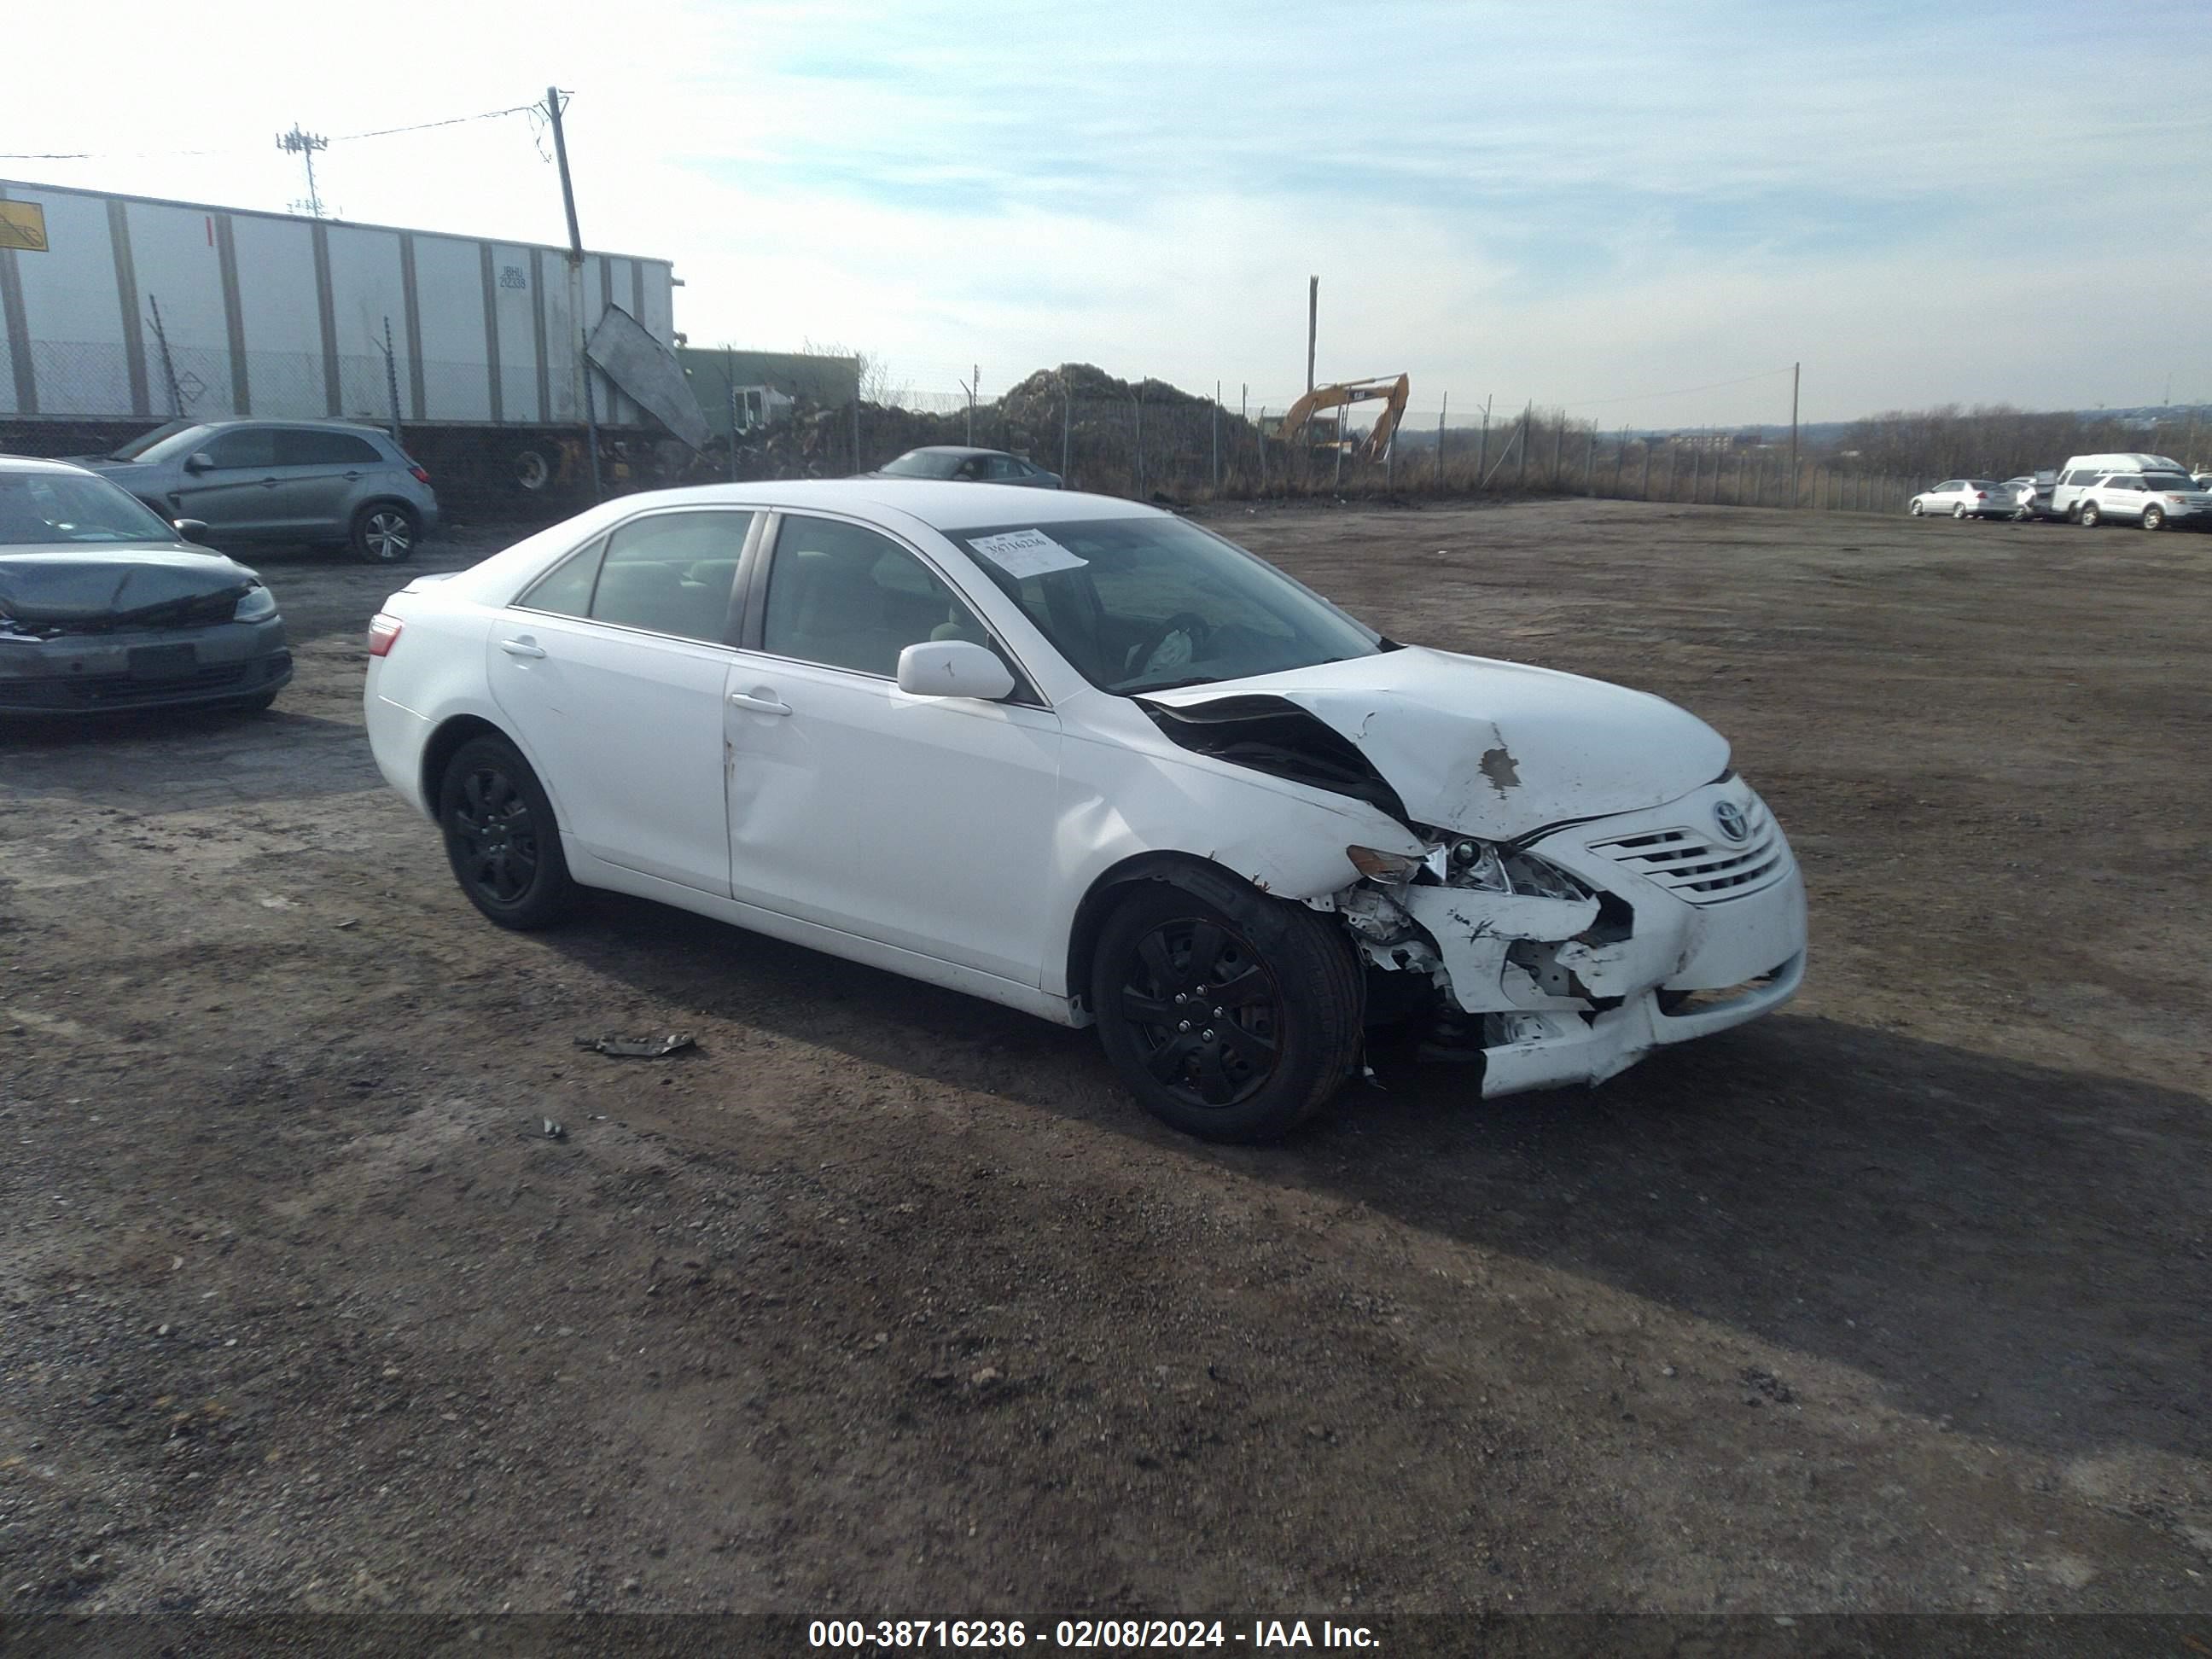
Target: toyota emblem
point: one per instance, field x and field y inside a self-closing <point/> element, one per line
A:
<point x="1733" y="825"/>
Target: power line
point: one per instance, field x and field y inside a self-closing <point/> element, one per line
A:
<point x="233" y="149"/>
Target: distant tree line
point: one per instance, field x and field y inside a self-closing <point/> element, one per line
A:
<point x="1999" y="442"/>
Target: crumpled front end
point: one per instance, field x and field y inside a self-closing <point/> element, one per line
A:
<point x="1565" y="958"/>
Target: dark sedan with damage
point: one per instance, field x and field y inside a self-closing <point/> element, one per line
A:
<point x="105" y="606"/>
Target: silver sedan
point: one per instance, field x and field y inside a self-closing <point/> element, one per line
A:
<point x="1965" y="498"/>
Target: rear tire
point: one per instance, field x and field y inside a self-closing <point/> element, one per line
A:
<point x="2089" y="517"/>
<point x="501" y="838"/>
<point x="1269" y="1025"/>
<point x="2153" y="518"/>
<point x="1958" y="510"/>
<point x="385" y="532"/>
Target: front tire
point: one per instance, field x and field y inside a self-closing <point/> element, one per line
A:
<point x="2153" y="518"/>
<point x="501" y="838"/>
<point x="2089" y="516"/>
<point x="1231" y="1015"/>
<point x="1914" y="509"/>
<point x="385" y="532"/>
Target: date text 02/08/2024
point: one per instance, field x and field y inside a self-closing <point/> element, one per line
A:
<point x="1113" y="1634"/>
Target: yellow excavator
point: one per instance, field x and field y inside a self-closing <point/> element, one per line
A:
<point x="1300" y="416"/>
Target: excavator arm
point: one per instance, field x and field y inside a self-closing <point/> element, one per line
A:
<point x="1344" y="393"/>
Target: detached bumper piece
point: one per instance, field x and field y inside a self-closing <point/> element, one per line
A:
<point x="150" y="685"/>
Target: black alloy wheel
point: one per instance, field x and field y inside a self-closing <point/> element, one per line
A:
<point x="1230" y="1015"/>
<point x="500" y="837"/>
<point x="1205" y="1011"/>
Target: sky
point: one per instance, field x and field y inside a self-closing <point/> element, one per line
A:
<point x="1645" y="213"/>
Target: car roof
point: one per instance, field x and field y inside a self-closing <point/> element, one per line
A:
<point x="957" y="449"/>
<point x="941" y="504"/>
<point x="364" y="429"/>
<point x="36" y="463"/>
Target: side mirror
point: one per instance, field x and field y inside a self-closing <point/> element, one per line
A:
<point x="192" y="530"/>
<point x="199" y="461"/>
<point x="953" y="668"/>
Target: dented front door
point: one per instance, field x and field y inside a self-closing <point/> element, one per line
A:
<point x="922" y="822"/>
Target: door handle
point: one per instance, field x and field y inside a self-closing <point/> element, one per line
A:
<point x="269" y="483"/>
<point x="521" y="648"/>
<point x="759" y="705"/>
<point x="350" y="477"/>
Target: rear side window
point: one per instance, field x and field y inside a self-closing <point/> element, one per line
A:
<point x="672" y="572"/>
<point x="2080" y="476"/>
<point x="243" y="446"/>
<point x="566" y="590"/>
<point x="308" y="449"/>
<point x="2127" y="482"/>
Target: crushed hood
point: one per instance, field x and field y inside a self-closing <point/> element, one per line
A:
<point x="108" y="584"/>
<point x="1491" y="749"/>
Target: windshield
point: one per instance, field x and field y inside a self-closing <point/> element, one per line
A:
<point x="66" y="509"/>
<point x="136" y="448"/>
<point x="1141" y="604"/>
<point x="924" y="464"/>
<point x="2168" y="481"/>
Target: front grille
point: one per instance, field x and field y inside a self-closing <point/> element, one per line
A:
<point x="1701" y="868"/>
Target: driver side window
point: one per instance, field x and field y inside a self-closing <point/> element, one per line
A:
<point x="847" y="597"/>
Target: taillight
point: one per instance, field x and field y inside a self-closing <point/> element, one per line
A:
<point x="383" y="634"/>
<point x="1981" y="494"/>
<point x="420" y="476"/>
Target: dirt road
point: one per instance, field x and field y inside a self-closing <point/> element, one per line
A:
<point x="886" y="1299"/>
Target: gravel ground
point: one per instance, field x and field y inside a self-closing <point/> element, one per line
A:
<point x="884" y="1300"/>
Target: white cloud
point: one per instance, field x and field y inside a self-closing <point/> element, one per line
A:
<point x="1568" y="203"/>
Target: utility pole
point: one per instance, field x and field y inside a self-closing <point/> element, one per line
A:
<point x="553" y="108"/>
<point x="1794" y="370"/>
<point x="304" y="145"/>
<point x="1313" y="324"/>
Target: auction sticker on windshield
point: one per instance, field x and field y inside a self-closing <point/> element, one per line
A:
<point x="1025" y="553"/>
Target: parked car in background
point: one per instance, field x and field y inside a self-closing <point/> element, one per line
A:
<point x="1965" y="498"/>
<point x="2081" y="471"/>
<point x="2032" y="494"/>
<point x="1093" y="761"/>
<point x="105" y="606"/>
<point x="302" y="481"/>
<point x="2150" y="499"/>
<point x="968" y="466"/>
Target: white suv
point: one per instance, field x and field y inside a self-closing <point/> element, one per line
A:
<point x="2152" y="499"/>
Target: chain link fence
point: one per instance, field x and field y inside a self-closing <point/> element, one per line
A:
<point x="1146" y="440"/>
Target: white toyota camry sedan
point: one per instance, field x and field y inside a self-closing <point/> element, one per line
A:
<point x="1091" y="760"/>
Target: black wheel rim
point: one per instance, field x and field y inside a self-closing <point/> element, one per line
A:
<point x="494" y="837"/>
<point x="1205" y="1011"/>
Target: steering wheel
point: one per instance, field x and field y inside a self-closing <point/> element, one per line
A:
<point x="1193" y="628"/>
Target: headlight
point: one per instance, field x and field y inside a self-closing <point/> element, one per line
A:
<point x="257" y="603"/>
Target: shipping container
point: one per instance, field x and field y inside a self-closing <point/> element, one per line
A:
<point x="118" y="313"/>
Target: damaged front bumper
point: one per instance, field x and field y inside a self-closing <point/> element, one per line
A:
<point x="148" y="668"/>
<point x="1670" y="923"/>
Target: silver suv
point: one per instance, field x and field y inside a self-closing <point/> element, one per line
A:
<point x="282" y="481"/>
